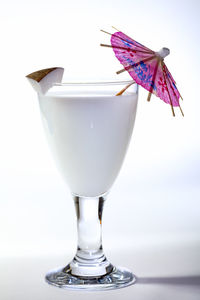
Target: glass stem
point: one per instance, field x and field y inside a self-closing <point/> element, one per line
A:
<point x="89" y="259"/>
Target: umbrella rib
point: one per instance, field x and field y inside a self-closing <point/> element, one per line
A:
<point x="173" y="113"/>
<point x="181" y="110"/>
<point x="170" y="80"/>
<point x="148" y="50"/>
<point x="123" y="48"/>
<point x="176" y="97"/>
<point x="116" y="29"/>
<point x="106" y="32"/>
<point x="135" y="64"/>
<point x="153" y="78"/>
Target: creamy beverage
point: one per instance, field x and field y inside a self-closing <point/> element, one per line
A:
<point x="88" y="132"/>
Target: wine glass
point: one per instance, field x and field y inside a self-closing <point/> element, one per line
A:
<point x="88" y="129"/>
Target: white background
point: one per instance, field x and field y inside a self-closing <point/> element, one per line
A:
<point x="155" y="199"/>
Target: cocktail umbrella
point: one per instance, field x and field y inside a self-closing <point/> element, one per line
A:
<point x="146" y="67"/>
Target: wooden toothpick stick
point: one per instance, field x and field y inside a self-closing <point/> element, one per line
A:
<point x="153" y="79"/>
<point x="168" y="79"/>
<point x="106" y="32"/>
<point x="149" y="96"/>
<point x="122" y="48"/>
<point x="164" y="75"/>
<point x="149" y="51"/>
<point x="181" y="110"/>
<point x="124" y="89"/>
<point x="116" y="28"/>
<point x="105" y="45"/>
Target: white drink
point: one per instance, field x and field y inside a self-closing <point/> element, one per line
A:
<point x="89" y="135"/>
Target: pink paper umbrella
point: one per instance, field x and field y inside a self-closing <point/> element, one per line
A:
<point x="146" y="67"/>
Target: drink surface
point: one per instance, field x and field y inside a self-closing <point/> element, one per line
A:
<point x="88" y="134"/>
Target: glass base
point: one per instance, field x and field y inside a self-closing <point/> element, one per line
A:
<point x="117" y="278"/>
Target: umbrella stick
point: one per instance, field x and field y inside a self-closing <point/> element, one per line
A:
<point x="149" y="96"/>
<point x="138" y="45"/>
<point x="181" y="110"/>
<point x="109" y="32"/>
<point x="105" y="45"/>
<point x="176" y="96"/>
<point x="135" y="64"/>
<point x="173" y="113"/>
<point x="105" y="31"/>
<point x="171" y="80"/>
<point x="124" y="89"/>
<point x="116" y="29"/>
<point x="149" y="51"/>
<point x="153" y="79"/>
<point x="123" y="70"/>
<point x="123" y="48"/>
<point x="174" y="82"/>
<point x="119" y="47"/>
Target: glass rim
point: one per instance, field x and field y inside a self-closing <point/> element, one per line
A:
<point x="95" y="83"/>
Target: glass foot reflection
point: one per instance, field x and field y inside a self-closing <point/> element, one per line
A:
<point x="117" y="278"/>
